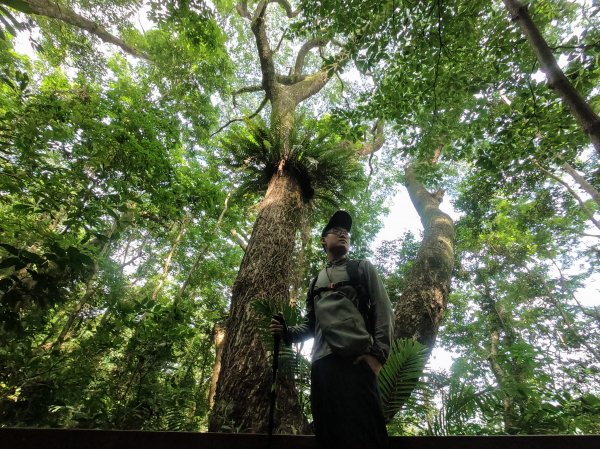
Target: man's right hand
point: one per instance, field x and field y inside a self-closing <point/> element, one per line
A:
<point x="276" y="328"/>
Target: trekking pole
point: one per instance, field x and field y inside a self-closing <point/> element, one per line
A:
<point x="273" y="393"/>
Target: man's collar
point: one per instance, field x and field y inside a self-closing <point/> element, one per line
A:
<point x="339" y="261"/>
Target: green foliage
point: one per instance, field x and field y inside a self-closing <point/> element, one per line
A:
<point x="400" y="374"/>
<point x="321" y="160"/>
<point x="9" y="25"/>
<point x="394" y="261"/>
<point x="93" y="176"/>
<point x="115" y="261"/>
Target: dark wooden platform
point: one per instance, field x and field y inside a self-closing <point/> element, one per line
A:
<point x="27" y="438"/>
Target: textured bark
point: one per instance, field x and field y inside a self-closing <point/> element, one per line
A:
<point x="242" y="397"/>
<point x="557" y="81"/>
<point x="53" y="10"/>
<point x="422" y="304"/>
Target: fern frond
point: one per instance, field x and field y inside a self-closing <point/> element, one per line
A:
<point x="400" y="374"/>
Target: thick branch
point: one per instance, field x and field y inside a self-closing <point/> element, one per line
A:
<point x="288" y="8"/>
<point x="265" y="55"/>
<point x="378" y="141"/>
<point x="557" y="81"/>
<point x="309" y="86"/>
<point x="424" y="300"/>
<point x="288" y="80"/>
<point x="301" y="56"/>
<point x="313" y="83"/>
<point x="52" y="10"/>
<point x="242" y="9"/>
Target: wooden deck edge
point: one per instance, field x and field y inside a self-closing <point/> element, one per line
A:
<point x="34" y="438"/>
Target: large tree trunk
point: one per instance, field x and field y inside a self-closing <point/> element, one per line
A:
<point x="242" y="397"/>
<point x="581" y="110"/>
<point x="419" y="311"/>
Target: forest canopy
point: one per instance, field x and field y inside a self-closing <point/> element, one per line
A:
<point x="166" y="168"/>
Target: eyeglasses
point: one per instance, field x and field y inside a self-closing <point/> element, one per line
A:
<point x="339" y="232"/>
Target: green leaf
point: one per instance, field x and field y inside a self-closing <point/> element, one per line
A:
<point x="11" y="249"/>
<point x="12" y="262"/>
<point x="400" y="374"/>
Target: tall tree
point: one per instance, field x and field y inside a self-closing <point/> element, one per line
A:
<point x="266" y="270"/>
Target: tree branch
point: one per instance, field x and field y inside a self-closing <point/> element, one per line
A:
<point x="582" y="182"/>
<point x="587" y="119"/>
<point x="265" y="54"/>
<point x="288" y="8"/>
<point x="51" y="9"/>
<point x="241" y="119"/>
<point x="288" y="80"/>
<point x="585" y="209"/>
<point x="313" y="83"/>
<point x="242" y="9"/>
<point x="245" y="90"/>
<point x="377" y="143"/>
<point x="240" y="241"/>
<point x="306" y="47"/>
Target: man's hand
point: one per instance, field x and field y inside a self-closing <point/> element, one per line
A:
<point x="276" y="328"/>
<point x="371" y="361"/>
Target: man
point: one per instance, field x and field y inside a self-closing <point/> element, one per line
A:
<point x="351" y="344"/>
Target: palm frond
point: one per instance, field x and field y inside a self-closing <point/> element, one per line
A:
<point x="460" y="405"/>
<point x="400" y="374"/>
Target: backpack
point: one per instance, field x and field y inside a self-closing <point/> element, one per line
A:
<point x="359" y="284"/>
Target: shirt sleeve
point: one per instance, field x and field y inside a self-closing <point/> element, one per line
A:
<point x="305" y="330"/>
<point x="381" y="312"/>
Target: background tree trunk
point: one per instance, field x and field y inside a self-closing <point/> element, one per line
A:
<point x="419" y="312"/>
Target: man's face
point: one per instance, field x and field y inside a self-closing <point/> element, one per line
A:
<point x="337" y="241"/>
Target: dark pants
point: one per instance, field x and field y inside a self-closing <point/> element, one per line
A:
<point x="346" y="405"/>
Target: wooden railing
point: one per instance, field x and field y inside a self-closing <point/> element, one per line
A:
<point x="29" y="438"/>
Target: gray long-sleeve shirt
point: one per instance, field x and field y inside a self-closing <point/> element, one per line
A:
<point x="381" y="309"/>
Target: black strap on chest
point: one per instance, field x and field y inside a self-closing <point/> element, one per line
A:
<point x="355" y="281"/>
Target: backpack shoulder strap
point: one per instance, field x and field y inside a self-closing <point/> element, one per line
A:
<point x="360" y="284"/>
<point x="311" y="290"/>
<point x="352" y="269"/>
